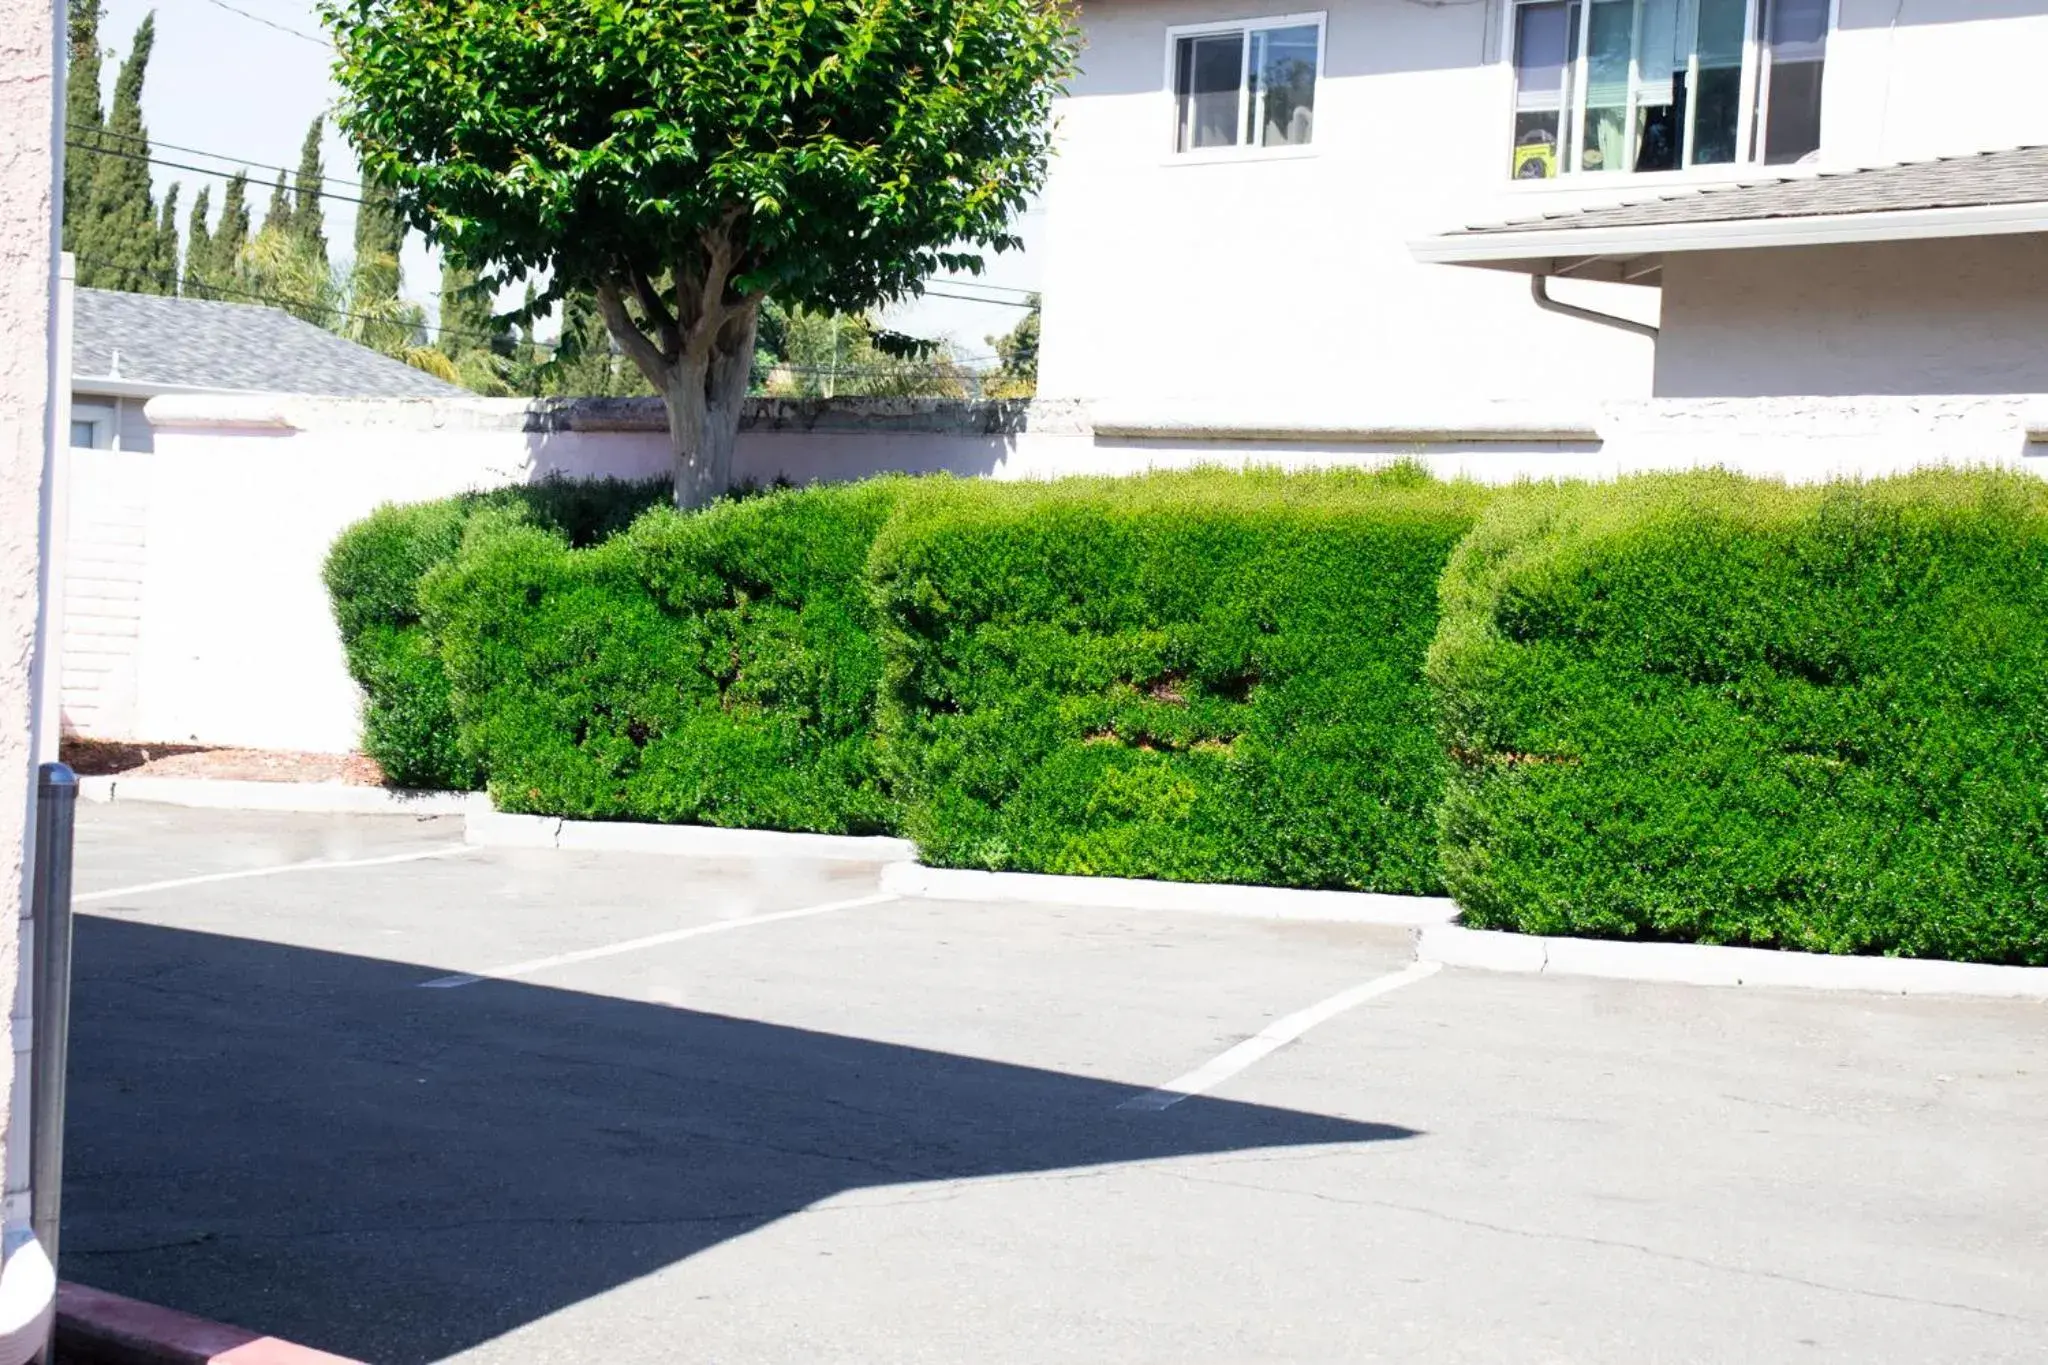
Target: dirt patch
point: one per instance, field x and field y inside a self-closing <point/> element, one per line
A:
<point x="104" y="758"/>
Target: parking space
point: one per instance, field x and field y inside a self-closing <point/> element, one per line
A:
<point x="425" y="1102"/>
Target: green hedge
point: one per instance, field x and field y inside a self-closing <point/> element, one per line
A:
<point x="716" y="668"/>
<point x="1704" y="708"/>
<point x="373" y="577"/>
<point x="1210" y="676"/>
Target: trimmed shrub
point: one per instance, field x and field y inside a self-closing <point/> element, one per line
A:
<point x="716" y="668"/>
<point x="1207" y="676"/>
<point x="373" y="576"/>
<point x="1706" y="708"/>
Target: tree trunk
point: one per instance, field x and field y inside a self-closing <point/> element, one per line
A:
<point x="704" y="398"/>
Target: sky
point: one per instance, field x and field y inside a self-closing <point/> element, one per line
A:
<point x="243" y="79"/>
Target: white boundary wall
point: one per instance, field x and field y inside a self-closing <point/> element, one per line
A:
<point x="196" y="612"/>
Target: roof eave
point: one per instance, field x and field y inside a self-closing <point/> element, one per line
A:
<point x="1538" y="251"/>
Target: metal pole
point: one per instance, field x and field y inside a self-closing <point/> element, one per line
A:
<point x="56" y="808"/>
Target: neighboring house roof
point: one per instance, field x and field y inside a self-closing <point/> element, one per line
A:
<point x="150" y="342"/>
<point x="1981" y="194"/>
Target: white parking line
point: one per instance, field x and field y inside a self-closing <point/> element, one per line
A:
<point x="634" y="945"/>
<point x="317" y="865"/>
<point x="1273" y="1037"/>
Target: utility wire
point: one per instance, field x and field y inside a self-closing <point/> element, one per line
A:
<point x="268" y="23"/>
<point x="969" y="282"/>
<point x="187" y="166"/>
<point x="969" y="298"/>
<point x="150" y="143"/>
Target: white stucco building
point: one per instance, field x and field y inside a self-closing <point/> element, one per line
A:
<point x="1268" y="210"/>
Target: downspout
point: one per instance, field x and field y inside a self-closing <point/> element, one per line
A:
<point x="1539" y="289"/>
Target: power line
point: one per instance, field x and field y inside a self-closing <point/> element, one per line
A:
<point x="148" y="142"/>
<point x="970" y="283"/>
<point x="200" y="170"/>
<point x="268" y="23"/>
<point x="969" y="298"/>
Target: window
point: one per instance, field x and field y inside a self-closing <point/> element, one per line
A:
<point x="92" y="426"/>
<point x="1661" y="85"/>
<point x="1249" y="84"/>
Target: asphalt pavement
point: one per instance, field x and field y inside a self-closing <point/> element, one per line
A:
<point x="348" y="1081"/>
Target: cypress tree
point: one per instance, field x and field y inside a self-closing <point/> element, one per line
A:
<point x="117" y="242"/>
<point x="198" y="246"/>
<point x="278" y="217"/>
<point x="308" y="221"/>
<point x="165" y="270"/>
<point x="225" y="250"/>
<point x="465" y="312"/>
<point x="83" y="117"/>
<point x="380" y="239"/>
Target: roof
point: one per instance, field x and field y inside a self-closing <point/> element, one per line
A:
<point x="1980" y="194"/>
<point x="149" y="342"/>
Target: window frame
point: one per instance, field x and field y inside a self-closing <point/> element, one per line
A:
<point x="1755" y="58"/>
<point x="1241" y="151"/>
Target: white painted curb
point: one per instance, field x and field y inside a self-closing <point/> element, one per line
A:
<point x="1701" y="964"/>
<point x="1120" y="893"/>
<point x="492" y="828"/>
<point x="304" y="797"/>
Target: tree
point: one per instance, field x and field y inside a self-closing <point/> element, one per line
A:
<point x="198" y="245"/>
<point x="278" y="217"/>
<point x="479" y="350"/>
<point x="116" y="238"/>
<point x="1017" y="357"/>
<point x="838" y="355"/>
<point x="84" y="120"/>
<point x="279" y="268"/>
<point x="380" y="240"/>
<point x="230" y="235"/>
<point x="309" y="222"/>
<point x="165" y="266"/>
<point x="683" y="161"/>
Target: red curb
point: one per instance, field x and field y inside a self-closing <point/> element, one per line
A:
<point x="98" y="1328"/>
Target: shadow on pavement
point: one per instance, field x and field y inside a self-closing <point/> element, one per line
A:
<point x="307" y="1144"/>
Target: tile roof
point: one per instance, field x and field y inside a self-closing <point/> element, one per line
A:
<point x="2015" y="176"/>
<point x="201" y="344"/>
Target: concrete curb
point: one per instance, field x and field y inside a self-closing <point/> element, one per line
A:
<point x="1701" y="964"/>
<point x="303" y="797"/>
<point x="496" y="829"/>
<point x="1119" y="893"/>
<point x="98" y="1328"/>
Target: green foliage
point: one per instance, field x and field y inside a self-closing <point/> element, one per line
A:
<point x="84" y="118"/>
<point x="230" y="236"/>
<point x="114" y="226"/>
<point x="1209" y="676"/>
<point x="164" y="266"/>
<point x="309" y="219"/>
<point x="373" y="578"/>
<point x="278" y="217"/>
<point x="198" y="244"/>
<point x="835" y="355"/>
<point x="283" y="268"/>
<point x="380" y="241"/>
<point x="1703" y="708"/>
<point x="715" y="668"/>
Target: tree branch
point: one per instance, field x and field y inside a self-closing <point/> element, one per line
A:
<point x="652" y="360"/>
<point x="718" y="262"/>
<point x="657" y="313"/>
